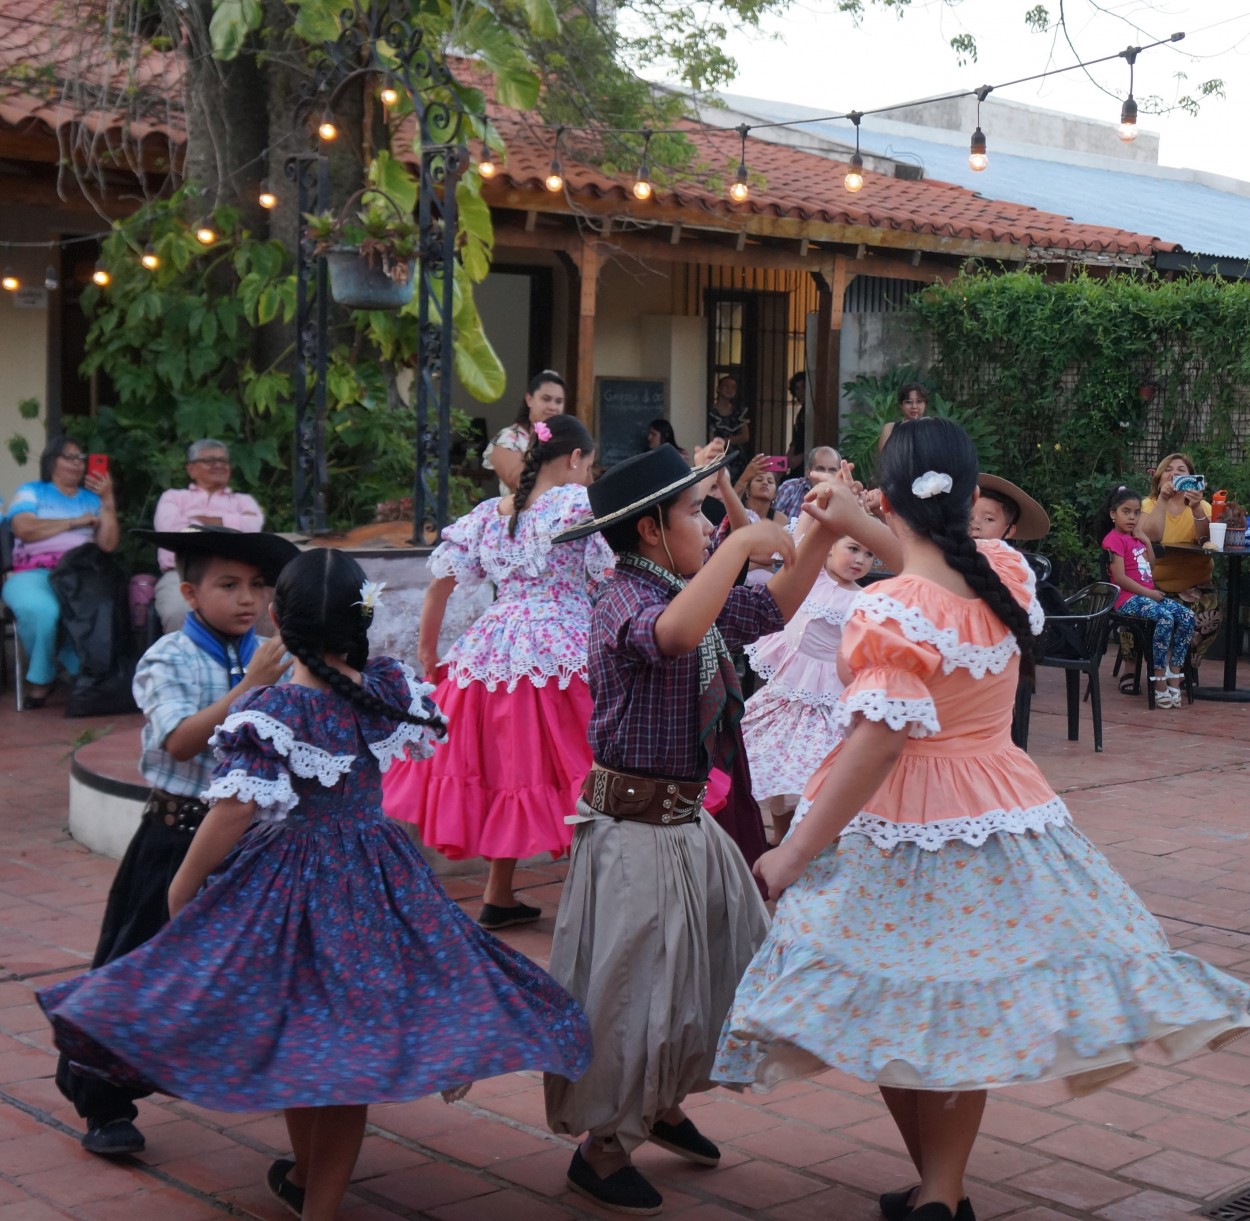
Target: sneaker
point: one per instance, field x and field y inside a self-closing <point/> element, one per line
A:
<point x="282" y="1189"/>
<point x="113" y="1138"/>
<point x="623" y="1191"/>
<point x="494" y="917"/>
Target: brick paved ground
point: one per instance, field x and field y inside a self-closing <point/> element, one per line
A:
<point x="1166" y="801"/>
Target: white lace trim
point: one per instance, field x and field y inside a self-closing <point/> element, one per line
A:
<point x="875" y="705"/>
<point x="408" y="741"/>
<point x="918" y="628"/>
<point x="304" y="759"/>
<point x="494" y="674"/>
<point x="784" y="690"/>
<point x="450" y="559"/>
<point x="275" y="798"/>
<point x="836" y="616"/>
<point x="974" y="831"/>
<point x="1037" y="616"/>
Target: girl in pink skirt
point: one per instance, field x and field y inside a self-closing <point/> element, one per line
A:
<point x="514" y="692"/>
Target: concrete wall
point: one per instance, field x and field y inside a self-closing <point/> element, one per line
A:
<point x="873" y="343"/>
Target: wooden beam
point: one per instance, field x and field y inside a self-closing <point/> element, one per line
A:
<point x="742" y="241"/>
<point x="588" y="300"/>
<point x="675" y="237"/>
<point x="822" y="425"/>
<point x="531" y="220"/>
<point x="803" y="245"/>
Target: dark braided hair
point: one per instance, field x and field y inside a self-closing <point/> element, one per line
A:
<point x="317" y="605"/>
<point x="568" y="435"/>
<point x="934" y="444"/>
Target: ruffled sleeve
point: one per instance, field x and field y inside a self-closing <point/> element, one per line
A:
<point x="574" y="509"/>
<point x="459" y="555"/>
<point x="1016" y="573"/>
<point x="260" y="746"/>
<point x="395" y="683"/>
<point x="891" y="675"/>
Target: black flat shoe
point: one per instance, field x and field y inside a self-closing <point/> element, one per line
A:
<point x="494" y="917"/>
<point x="686" y="1141"/>
<point x="896" y="1206"/>
<point x="115" y="1138"/>
<point x="623" y="1191"/>
<point x="282" y="1189"/>
<point x="933" y="1211"/>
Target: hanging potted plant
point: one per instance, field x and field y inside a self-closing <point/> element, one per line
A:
<point x="371" y="252"/>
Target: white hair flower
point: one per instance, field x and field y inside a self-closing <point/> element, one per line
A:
<point x="370" y="595"/>
<point x="931" y="483"/>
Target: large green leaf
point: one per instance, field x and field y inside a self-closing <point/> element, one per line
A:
<point x="394" y="179"/>
<point x="317" y="20"/>
<point x="542" y="18"/>
<point x="477" y="365"/>
<point x="232" y="21"/>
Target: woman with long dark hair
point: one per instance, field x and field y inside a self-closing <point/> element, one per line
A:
<point x="505" y="455"/>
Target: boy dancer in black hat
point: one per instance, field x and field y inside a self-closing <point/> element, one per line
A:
<point x="660" y="916"/>
<point x="184" y="685"/>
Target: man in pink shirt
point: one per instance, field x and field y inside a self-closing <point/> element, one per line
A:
<point x="207" y="501"/>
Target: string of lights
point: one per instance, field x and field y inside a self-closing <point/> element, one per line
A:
<point x="643" y="188"/>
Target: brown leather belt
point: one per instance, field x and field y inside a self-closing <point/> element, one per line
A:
<point x="174" y="811"/>
<point x="637" y="798"/>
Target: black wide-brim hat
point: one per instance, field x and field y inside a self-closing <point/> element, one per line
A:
<point x="1033" y="522"/>
<point x="632" y="486"/>
<point x="271" y="553"/>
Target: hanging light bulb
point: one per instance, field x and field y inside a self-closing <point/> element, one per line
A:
<point x="485" y="166"/>
<point x="388" y="95"/>
<point x="739" y="191"/>
<point x="854" y="180"/>
<point x="51" y="280"/>
<point x="555" y="177"/>
<point x="265" y="197"/>
<point x="9" y="282"/>
<point x="1128" y="112"/>
<point x="977" y="159"/>
<point x="205" y="234"/>
<point x="1128" y="120"/>
<point x="149" y="258"/>
<point x="101" y="276"/>
<point x="642" y="181"/>
<point x="326" y="129"/>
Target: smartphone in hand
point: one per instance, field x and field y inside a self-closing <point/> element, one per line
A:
<point x="98" y="465"/>
<point x="777" y="463"/>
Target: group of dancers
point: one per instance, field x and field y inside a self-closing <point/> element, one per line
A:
<point x="940" y="928"/>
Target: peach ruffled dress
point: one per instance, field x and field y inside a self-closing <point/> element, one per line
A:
<point x="962" y="933"/>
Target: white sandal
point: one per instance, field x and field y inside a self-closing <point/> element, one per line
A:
<point x="1164" y="696"/>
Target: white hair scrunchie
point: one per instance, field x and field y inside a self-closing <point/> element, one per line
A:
<point x="931" y="483"/>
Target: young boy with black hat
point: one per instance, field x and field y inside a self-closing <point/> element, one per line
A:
<point x="184" y="685"/>
<point x="660" y="915"/>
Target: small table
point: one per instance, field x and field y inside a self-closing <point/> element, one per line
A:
<point x="1229" y="692"/>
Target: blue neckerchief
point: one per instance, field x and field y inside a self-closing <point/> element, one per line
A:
<point x="233" y="652"/>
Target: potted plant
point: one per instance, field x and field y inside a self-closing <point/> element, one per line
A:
<point x="371" y="251"/>
<point x="1235" y="518"/>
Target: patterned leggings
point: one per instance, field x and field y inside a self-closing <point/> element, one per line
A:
<point x="1174" y="628"/>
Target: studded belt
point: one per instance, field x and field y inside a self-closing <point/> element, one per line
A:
<point x="638" y="798"/>
<point x="174" y="811"/>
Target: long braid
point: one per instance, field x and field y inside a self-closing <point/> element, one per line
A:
<point x="525" y="485"/>
<point x="933" y="444"/>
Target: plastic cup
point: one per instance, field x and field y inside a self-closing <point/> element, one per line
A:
<point x="1218" y="530"/>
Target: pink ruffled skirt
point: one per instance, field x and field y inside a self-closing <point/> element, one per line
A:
<point x="508" y="774"/>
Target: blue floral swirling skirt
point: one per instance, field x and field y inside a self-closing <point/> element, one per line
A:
<point x="324" y="966"/>
<point x="1025" y="959"/>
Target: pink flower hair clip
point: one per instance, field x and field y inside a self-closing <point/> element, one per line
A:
<point x="541" y="431"/>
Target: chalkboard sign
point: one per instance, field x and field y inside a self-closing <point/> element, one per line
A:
<point x="625" y="406"/>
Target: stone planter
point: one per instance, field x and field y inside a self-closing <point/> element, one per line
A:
<point x="360" y="284"/>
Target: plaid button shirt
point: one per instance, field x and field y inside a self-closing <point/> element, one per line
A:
<point x="789" y="498"/>
<point x="646" y="705"/>
<point x="175" y="679"/>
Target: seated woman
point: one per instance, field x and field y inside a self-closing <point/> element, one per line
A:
<point x="50" y="518"/>
<point x="1183" y="518"/>
<point x="505" y="455"/>
<point x="756" y="490"/>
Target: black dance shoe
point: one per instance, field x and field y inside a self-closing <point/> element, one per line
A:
<point x="686" y="1141"/>
<point x="282" y="1189"/>
<point x="623" y="1191"/>
<point x="896" y="1206"/>
<point x="114" y="1138"/>
<point x="494" y="917"/>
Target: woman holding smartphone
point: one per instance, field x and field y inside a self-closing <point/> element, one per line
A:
<point x="49" y="517"/>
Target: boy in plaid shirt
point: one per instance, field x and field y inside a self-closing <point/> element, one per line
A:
<point x="184" y="685"/>
<point x="660" y="915"/>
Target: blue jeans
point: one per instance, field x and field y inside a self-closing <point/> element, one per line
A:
<point x="1174" y="628"/>
<point x="38" y="617"/>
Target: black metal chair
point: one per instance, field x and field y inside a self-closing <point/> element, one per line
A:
<point x="1074" y="642"/>
<point x="7" y="621"/>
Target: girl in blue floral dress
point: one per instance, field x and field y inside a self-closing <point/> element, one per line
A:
<point x="323" y="968"/>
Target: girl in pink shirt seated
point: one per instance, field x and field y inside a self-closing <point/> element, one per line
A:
<point x="1130" y="553"/>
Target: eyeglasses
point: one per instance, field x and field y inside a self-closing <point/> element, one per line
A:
<point x="73" y="457"/>
<point x="210" y="461"/>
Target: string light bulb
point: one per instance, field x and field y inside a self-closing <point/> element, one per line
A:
<point x="1127" y="130"/>
<point x="977" y="158"/>
<point x="486" y="166"/>
<point x="555" y="177"/>
<point x="149" y="258"/>
<point x="101" y="277"/>
<point x="388" y="95"/>
<point x="739" y="191"/>
<point x="642" y="181"/>
<point x="265" y="197"/>
<point x="326" y="129"/>
<point x="205" y="234"/>
<point x="854" y="180"/>
<point x="9" y="282"/>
